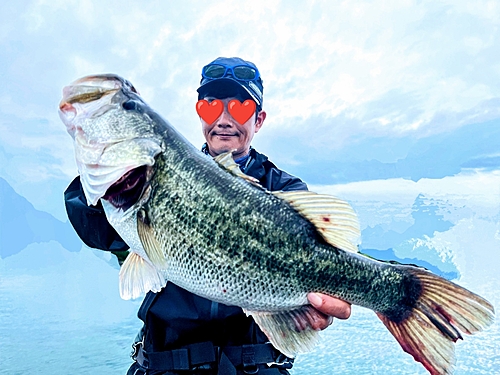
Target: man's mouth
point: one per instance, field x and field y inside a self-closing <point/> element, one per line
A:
<point x="225" y="135"/>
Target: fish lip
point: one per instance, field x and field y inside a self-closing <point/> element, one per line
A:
<point x="104" y="81"/>
<point x="72" y="95"/>
<point x="97" y="84"/>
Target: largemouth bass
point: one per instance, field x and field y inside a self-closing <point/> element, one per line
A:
<point x="203" y="225"/>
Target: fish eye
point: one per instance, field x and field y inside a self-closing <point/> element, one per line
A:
<point x="129" y="105"/>
<point x="132" y="105"/>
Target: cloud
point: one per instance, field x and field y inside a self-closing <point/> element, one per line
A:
<point x="336" y="74"/>
<point x="322" y="158"/>
<point x="469" y="193"/>
<point x="337" y="59"/>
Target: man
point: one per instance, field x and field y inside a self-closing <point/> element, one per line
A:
<point x="184" y="333"/>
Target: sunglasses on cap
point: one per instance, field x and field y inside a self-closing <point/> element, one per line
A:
<point x="240" y="72"/>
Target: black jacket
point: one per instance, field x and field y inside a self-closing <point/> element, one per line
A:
<point x="175" y="317"/>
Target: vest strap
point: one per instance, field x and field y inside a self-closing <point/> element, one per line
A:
<point x="205" y="355"/>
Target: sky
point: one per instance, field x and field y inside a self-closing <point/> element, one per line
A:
<point x="345" y="82"/>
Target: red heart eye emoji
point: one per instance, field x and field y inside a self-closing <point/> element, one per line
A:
<point x="209" y="112"/>
<point x="241" y="112"/>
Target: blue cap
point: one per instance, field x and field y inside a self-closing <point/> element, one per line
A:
<point x="228" y="85"/>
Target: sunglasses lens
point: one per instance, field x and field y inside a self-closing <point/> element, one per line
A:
<point x="214" y="71"/>
<point x="244" y="72"/>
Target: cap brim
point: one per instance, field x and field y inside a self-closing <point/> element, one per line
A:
<point x="226" y="86"/>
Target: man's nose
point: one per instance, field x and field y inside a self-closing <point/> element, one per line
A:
<point x="225" y="119"/>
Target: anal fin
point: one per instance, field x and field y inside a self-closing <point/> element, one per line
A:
<point x="288" y="331"/>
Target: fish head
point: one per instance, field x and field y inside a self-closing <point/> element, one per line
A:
<point x="115" y="138"/>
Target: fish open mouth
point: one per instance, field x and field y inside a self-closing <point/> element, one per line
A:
<point x="125" y="192"/>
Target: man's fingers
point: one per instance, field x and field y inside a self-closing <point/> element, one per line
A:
<point x="325" y="308"/>
<point x="320" y="321"/>
<point x="311" y="318"/>
<point x="330" y="306"/>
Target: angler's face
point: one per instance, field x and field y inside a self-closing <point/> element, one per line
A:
<point x="226" y="134"/>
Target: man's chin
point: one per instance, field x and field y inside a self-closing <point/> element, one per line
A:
<point x="222" y="147"/>
<point x="220" y="151"/>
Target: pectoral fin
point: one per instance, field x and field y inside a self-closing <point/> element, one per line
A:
<point x="149" y="242"/>
<point x="334" y="218"/>
<point x="288" y="331"/>
<point x="137" y="277"/>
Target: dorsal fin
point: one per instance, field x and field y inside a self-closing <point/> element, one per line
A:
<point x="227" y="163"/>
<point x="334" y="218"/>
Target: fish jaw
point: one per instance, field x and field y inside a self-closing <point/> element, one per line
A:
<point x="103" y="162"/>
<point x="102" y="167"/>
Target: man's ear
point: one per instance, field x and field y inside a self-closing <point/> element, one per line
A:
<point x="261" y="116"/>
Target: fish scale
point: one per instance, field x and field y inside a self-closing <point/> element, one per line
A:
<point x="289" y="255"/>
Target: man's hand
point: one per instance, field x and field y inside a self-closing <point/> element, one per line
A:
<point x="328" y="308"/>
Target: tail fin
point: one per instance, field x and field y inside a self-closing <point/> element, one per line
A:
<point x="433" y="325"/>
